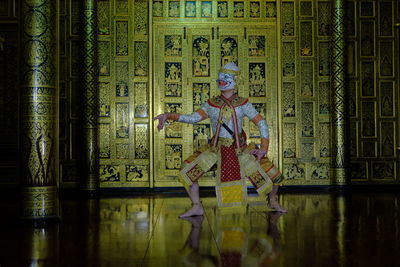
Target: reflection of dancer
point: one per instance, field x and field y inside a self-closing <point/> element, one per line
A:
<point x="235" y="159"/>
<point x="195" y="258"/>
<point x="237" y="245"/>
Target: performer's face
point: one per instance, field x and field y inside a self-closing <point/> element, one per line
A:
<point x="226" y="81"/>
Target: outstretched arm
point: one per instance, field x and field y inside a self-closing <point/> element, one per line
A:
<point x="195" y="117"/>
<point x="162" y="118"/>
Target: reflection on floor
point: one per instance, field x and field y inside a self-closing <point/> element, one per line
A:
<point x="319" y="230"/>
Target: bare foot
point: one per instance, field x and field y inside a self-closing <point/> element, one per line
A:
<point x="274" y="204"/>
<point x="195" y="220"/>
<point x="195" y="210"/>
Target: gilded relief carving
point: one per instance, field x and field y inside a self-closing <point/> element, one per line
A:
<point x="173" y="130"/>
<point x="307" y="151"/>
<point x="122" y="151"/>
<point x="229" y="50"/>
<point x="324" y="98"/>
<point x="306" y="39"/>
<point x="104" y="58"/>
<point x="352" y="84"/>
<point x="122" y="120"/>
<point x="368" y="118"/>
<point x="324" y="59"/>
<point x="121" y="39"/>
<point x="190" y="9"/>
<point x="141" y="59"/>
<point x="387" y="97"/>
<point x="288" y="59"/>
<point x="256" y="45"/>
<point x="121" y="7"/>
<point x="385" y="19"/>
<point x="157" y="8"/>
<point x="358" y="170"/>
<point x="109" y="173"/>
<point x="254" y="132"/>
<point x="206" y="9"/>
<point x="238" y="9"/>
<point x="141" y="100"/>
<point x="136" y="173"/>
<point x="201" y="56"/>
<point x="104" y="140"/>
<point x="257" y="87"/>
<point x="289" y="99"/>
<point x="103" y="17"/>
<point x="320" y="171"/>
<point x="324" y="18"/>
<point x="174" y="9"/>
<point x="386" y="58"/>
<point x="173" y="157"/>
<point x="38" y="144"/>
<point x="255" y="9"/>
<point x="289" y="140"/>
<point x="307" y="119"/>
<point x="201" y="136"/>
<point x="383" y="170"/>
<point x="201" y="93"/>
<point x="367" y="38"/>
<point x="324" y="137"/>
<point x="75" y="11"/>
<point x="353" y="139"/>
<point x="367" y="78"/>
<point x="294" y="171"/>
<point x="173" y="45"/>
<point x="142" y="141"/>
<point x="270" y="9"/>
<point x="306" y="77"/>
<point x="173" y="79"/>
<point x="222" y="9"/>
<point x="141" y="17"/>
<point x="121" y="79"/>
<point x="387" y="139"/>
<point x="306" y="8"/>
<point x="288" y="18"/>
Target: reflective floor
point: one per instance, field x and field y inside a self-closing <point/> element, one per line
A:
<point x="319" y="230"/>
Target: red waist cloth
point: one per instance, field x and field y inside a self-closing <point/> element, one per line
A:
<point x="230" y="168"/>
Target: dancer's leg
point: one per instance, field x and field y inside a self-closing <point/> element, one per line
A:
<point x="197" y="208"/>
<point x="273" y="201"/>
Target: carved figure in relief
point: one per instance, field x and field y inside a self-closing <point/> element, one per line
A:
<point x="222" y="9"/>
<point x="236" y="160"/>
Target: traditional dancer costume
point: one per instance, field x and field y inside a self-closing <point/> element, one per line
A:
<point x="228" y="149"/>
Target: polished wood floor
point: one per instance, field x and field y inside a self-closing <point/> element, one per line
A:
<point x="319" y="230"/>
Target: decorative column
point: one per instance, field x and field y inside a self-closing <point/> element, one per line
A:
<point x="39" y="136"/>
<point x="339" y="156"/>
<point x="90" y="95"/>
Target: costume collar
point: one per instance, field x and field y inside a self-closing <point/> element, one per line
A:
<point x="235" y="101"/>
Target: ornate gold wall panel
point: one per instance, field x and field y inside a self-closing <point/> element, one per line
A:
<point x="373" y="74"/>
<point x="305" y="54"/>
<point x="141" y="42"/>
<point x="124" y="99"/>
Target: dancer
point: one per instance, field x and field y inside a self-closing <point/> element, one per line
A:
<point x="228" y="149"/>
